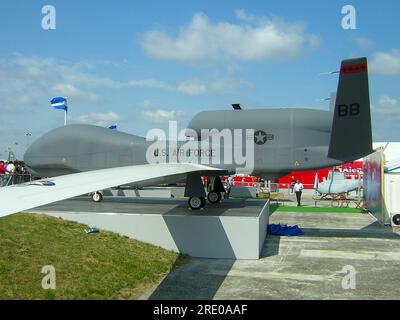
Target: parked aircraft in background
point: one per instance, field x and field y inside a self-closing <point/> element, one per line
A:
<point x="83" y="158"/>
<point x="338" y="184"/>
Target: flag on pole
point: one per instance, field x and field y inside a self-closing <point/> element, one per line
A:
<point x="59" y="103"/>
<point x="112" y="127"/>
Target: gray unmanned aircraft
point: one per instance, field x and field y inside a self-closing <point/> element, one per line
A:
<point x="81" y="159"/>
<point x="337" y="184"/>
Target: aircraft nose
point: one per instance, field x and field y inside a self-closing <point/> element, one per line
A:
<point x="43" y="155"/>
<point x="33" y="153"/>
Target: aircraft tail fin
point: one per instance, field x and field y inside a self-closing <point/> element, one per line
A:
<point x="351" y="135"/>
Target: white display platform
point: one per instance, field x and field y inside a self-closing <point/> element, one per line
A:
<point x="234" y="229"/>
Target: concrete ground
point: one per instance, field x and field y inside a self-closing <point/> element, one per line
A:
<point x="311" y="266"/>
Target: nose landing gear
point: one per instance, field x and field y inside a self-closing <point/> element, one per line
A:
<point x="97" y="197"/>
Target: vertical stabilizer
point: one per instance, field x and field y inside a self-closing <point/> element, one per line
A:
<point x="351" y="136"/>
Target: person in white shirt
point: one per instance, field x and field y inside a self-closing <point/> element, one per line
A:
<point x="298" y="188"/>
<point x="231" y="182"/>
<point x="11" y="168"/>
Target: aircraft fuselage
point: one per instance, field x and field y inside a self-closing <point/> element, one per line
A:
<point x="284" y="140"/>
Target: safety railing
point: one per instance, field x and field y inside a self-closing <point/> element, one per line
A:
<point x="10" y="179"/>
<point x="284" y="187"/>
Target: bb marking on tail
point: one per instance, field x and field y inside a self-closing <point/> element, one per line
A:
<point x="351" y="135"/>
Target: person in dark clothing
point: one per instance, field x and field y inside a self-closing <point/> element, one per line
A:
<point x="293" y="183"/>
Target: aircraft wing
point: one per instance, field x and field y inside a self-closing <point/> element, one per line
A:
<point x="36" y="193"/>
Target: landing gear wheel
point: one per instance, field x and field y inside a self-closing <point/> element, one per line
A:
<point x="214" y="197"/>
<point x="196" y="203"/>
<point x="396" y="219"/>
<point x="97" y="197"/>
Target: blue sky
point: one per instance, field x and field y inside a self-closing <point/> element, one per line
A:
<point x="142" y="63"/>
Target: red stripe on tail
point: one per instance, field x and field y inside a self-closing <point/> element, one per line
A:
<point x="355" y="68"/>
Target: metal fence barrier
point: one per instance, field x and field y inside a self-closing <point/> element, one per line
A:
<point x="10" y="179"/>
<point x="282" y="187"/>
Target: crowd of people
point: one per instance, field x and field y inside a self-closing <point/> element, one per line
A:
<point x="12" y="172"/>
<point x="13" y="167"/>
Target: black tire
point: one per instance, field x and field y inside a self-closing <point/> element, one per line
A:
<point x="97" y="197"/>
<point x="396" y="219"/>
<point x="196" y="203"/>
<point x="214" y="197"/>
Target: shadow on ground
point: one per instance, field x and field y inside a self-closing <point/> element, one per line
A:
<point x="196" y="280"/>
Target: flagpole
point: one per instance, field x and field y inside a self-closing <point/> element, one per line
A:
<point x="61" y="104"/>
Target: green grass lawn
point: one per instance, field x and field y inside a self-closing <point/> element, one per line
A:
<point x="88" y="266"/>
<point x="314" y="209"/>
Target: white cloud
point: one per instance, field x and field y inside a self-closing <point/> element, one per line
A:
<point x="98" y="119"/>
<point x="29" y="82"/>
<point x="193" y="88"/>
<point x="253" y="38"/>
<point x="155" y="113"/>
<point x="33" y="81"/>
<point x="69" y="90"/>
<point x="387" y="107"/>
<point x="159" y="115"/>
<point x="145" y="104"/>
<point x="241" y="14"/>
<point x="196" y="87"/>
<point x="387" y="101"/>
<point x="229" y="86"/>
<point x="386" y="63"/>
<point x="364" y="43"/>
<point x="19" y="100"/>
<point x="145" y="83"/>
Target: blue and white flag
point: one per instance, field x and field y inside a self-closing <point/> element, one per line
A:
<point x="112" y="127"/>
<point x="59" y="103"/>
